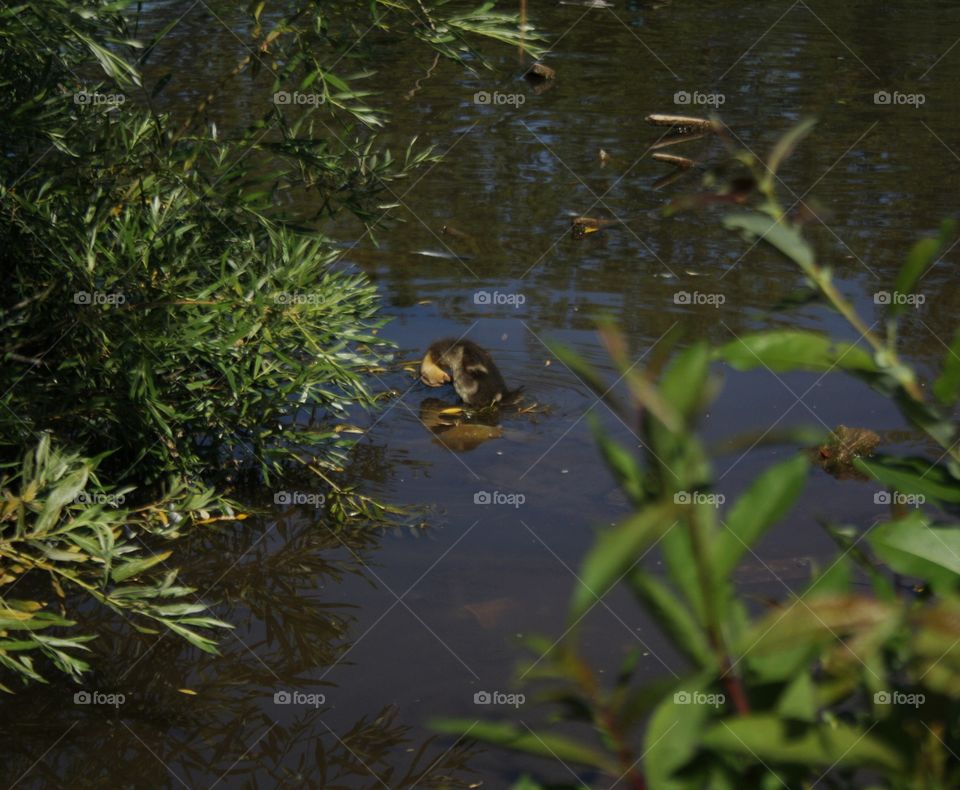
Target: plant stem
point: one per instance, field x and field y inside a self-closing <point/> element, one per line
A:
<point x="731" y="682"/>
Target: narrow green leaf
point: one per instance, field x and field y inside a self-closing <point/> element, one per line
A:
<point x="922" y="255"/>
<point x="914" y="548"/>
<point x="136" y="567"/>
<point x="912" y="475"/>
<point x="615" y="551"/>
<point x="947" y="385"/>
<point x="767" y="500"/>
<point x="783" y="237"/>
<point x="769" y="739"/>
<point x="673" y="617"/>
<point x="65" y="492"/>
<point x="673" y="734"/>
<point x="790" y="349"/>
<point x="621" y="462"/>
<point x="684" y="380"/>
<point x="549" y="745"/>
<point x="798" y="701"/>
<point x="786" y="145"/>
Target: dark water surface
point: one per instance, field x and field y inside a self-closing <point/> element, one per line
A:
<point x="395" y="629"/>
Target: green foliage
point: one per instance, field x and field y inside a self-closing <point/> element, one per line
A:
<point x="57" y="519"/>
<point x="164" y="319"/>
<point x="832" y="685"/>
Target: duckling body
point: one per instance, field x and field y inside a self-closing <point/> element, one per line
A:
<point x="470" y="368"/>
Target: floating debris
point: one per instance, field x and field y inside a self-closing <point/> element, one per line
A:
<point x="449" y="230"/>
<point x="681" y="123"/>
<point x="845" y="445"/>
<point x="688" y="272"/>
<point x="442" y="254"/>
<point x="538" y="72"/>
<point x="581" y="226"/>
<point x="677" y="161"/>
<point x="588" y="3"/>
<point x="673" y="177"/>
<point x="675" y="139"/>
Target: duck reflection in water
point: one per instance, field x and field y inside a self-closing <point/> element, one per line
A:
<point x="477" y="380"/>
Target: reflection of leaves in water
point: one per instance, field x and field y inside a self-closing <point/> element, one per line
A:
<point x="123" y="748"/>
<point x="274" y="582"/>
<point x="285" y="581"/>
<point x="363" y="756"/>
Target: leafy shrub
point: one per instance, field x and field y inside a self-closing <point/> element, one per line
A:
<point x="833" y="684"/>
<point x="163" y="317"/>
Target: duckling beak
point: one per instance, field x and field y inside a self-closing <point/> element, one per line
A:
<point x="434" y="380"/>
<point x="432" y="374"/>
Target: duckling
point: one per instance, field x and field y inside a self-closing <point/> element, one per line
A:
<point x="472" y="370"/>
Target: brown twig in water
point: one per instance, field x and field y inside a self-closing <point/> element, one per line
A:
<point x="417" y="86"/>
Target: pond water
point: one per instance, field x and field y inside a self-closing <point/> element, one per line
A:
<point x="397" y="628"/>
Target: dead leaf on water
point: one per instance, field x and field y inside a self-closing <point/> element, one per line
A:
<point x="488" y="613"/>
